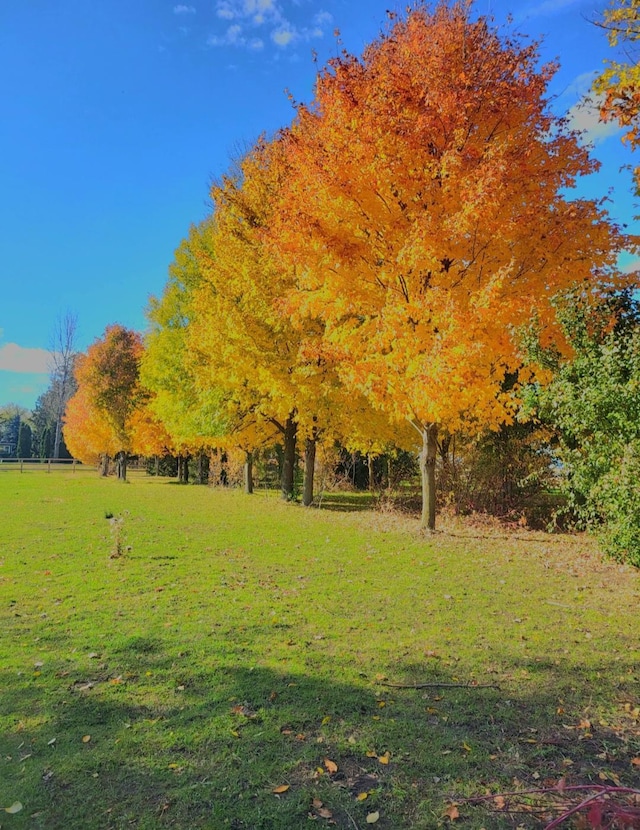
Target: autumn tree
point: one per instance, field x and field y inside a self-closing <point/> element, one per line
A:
<point x="87" y="432"/>
<point x="619" y="84"/>
<point x="429" y="213"/>
<point x="108" y="385"/>
<point x="193" y="417"/>
<point x="273" y="370"/>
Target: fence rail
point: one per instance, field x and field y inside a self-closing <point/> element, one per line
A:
<point x="42" y="464"/>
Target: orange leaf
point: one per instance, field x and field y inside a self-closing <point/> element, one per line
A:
<point x="281" y="789"/>
<point x="330" y="765"/>
<point x="452" y="812"/>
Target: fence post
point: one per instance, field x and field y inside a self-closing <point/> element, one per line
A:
<point x="48" y="465"/>
<point x="21" y="463"/>
<point x="74" y="466"/>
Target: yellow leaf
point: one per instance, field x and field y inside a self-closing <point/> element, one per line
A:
<point x="384" y="759"/>
<point x="330" y="765"/>
<point x="362" y="796"/>
<point x="326" y="720"/>
<point x="466" y="747"/>
<point x="173" y="766"/>
<point x="372" y="754"/>
<point x="15" y="808"/>
<point x="373" y="817"/>
<point x="281" y="789"/>
<point x="86" y="739"/>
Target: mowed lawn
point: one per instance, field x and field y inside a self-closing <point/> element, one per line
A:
<point x="239" y="645"/>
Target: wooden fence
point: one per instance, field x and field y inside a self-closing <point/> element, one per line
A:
<point x="43" y="464"/>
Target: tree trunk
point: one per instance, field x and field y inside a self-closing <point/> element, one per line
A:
<point x="309" y="470"/>
<point x="248" y="472"/>
<point x="372" y="483"/>
<point x="289" y="459"/>
<point x="104" y="465"/>
<point x="428" y="476"/>
<point x="121" y="465"/>
<point x="183" y="469"/>
<point x="203" y="467"/>
<point x="157" y="465"/>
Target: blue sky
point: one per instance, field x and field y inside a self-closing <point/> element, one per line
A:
<point x="118" y="114"/>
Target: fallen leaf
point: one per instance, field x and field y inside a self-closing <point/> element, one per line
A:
<point x="331" y="766"/>
<point x="499" y="802"/>
<point x="86" y="739"/>
<point x="316" y="803"/>
<point x="384" y="759"/>
<point x="323" y="812"/>
<point x="452" y="812"/>
<point x="326" y="720"/>
<point x="372" y="754"/>
<point x="466" y="747"/>
<point x="281" y="789"/>
<point x="15" y="808"/>
<point x="51" y="742"/>
<point x="373" y="817"/>
<point x="362" y="796"/>
<point x="635" y="762"/>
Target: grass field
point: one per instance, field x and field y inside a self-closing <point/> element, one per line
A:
<point x="174" y="665"/>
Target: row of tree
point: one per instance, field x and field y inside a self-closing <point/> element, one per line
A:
<point x="387" y="271"/>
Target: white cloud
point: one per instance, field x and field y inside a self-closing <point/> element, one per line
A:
<point x="181" y="9"/>
<point x="283" y="36"/>
<point x="323" y="18"/>
<point x="585" y="117"/>
<point x="266" y="17"/>
<point x="14" y="358"/>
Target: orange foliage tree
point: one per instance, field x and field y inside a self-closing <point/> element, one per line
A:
<point x="428" y="214"/>
<point x="109" y="394"/>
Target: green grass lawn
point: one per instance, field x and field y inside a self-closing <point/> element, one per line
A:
<point x="239" y="645"/>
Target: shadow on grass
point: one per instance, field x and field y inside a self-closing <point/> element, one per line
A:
<point x="127" y="746"/>
<point x="348" y="502"/>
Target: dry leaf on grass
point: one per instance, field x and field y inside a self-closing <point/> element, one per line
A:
<point x="452" y="812"/>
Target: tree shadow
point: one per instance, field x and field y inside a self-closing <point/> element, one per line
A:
<point x="124" y="745"/>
